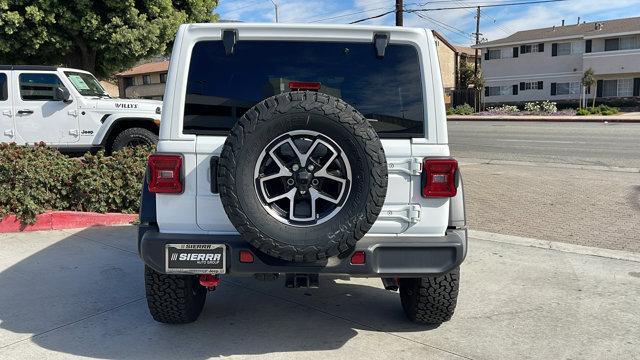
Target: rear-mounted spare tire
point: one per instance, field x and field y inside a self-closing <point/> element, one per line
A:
<point x="302" y="176"/>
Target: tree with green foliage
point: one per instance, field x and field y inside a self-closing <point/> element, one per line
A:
<point x="466" y="75"/>
<point x="588" y="79"/>
<point x="100" y="36"/>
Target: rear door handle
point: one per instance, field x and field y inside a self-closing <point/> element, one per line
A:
<point x="25" y="111"/>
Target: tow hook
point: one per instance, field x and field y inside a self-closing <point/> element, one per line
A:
<point x="209" y="281"/>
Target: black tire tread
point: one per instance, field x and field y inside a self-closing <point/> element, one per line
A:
<point x="125" y="135"/>
<point x="173" y="299"/>
<point x="331" y="107"/>
<point x="430" y="300"/>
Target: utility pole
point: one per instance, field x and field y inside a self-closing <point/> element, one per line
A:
<point x="276" y="8"/>
<point x="399" y="12"/>
<point x="475" y="68"/>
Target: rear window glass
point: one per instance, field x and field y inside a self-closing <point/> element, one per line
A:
<point x="387" y="91"/>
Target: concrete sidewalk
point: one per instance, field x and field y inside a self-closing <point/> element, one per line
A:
<point x="80" y="293"/>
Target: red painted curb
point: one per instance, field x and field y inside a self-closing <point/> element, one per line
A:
<point x="57" y="220"/>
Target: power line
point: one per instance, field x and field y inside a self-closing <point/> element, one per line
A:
<point x="486" y="5"/>
<point x="495" y="21"/>
<point x="250" y="3"/>
<point x="457" y="7"/>
<point x="445" y="26"/>
<point x="347" y="15"/>
<point x="373" y="17"/>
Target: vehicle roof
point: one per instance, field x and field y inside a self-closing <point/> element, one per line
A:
<point x="39" y="67"/>
<point x="319" y="27"/>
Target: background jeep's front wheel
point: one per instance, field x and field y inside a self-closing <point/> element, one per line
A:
<point x="173" y="299"/>
<point x="430" y="300"/>
<point x="134" y="137"/>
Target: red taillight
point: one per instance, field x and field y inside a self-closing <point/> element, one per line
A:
<point x="358" y="258"/>
<point x="304" y="85"/>
<point x="165" y="173"/>
<point x="246" y="256"/>
<point x="439" y="177"/>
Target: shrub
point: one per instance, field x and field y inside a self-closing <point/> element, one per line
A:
<point x="532" y="107"/>
<point x="504" y="109"/>
<point x="34" y="179"/>
<point x="548" y="107"/>
<point x="464" y="109"/>
<point x="598" y="110"/>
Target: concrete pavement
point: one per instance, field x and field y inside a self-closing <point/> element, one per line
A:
<point x="67" y="294"/>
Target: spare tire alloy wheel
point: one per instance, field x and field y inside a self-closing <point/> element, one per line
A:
<point x="302" y="176"/>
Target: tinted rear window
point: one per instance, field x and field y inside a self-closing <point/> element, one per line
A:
<point x="222" y="88"/>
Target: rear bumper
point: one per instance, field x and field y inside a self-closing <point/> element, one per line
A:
<point x="385" y="256"/>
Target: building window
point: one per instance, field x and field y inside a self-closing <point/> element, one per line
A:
<point x="564" y="48"/>
<point x="146" y="79"/>
<point x="625" y="87"/>
<point x="629" y="42"/>
<point x="612" y="44"/>
<point x="494" y="54"/>
<point x="610" y="88"/>
<point x="533" y="85"/>
<point x="163" y="78"/>
<point x="567" y="88"/>
<point x="128" y="81"/>
<point x="498" y="90"/>
<point x="525" y="49"/>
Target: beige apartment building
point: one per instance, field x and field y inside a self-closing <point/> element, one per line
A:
<point x="548" y="63"/>
<point x="451" y="58"/>
<point x="144" y="81"/>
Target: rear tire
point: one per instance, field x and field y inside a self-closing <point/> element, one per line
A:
<point x="173" y="299"/>
<point x="134" y="137"/>
<point x="430" y="300"/>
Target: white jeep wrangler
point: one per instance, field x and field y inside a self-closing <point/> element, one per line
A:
<point x="70" y="110"/>
<point x="302" y="150"/>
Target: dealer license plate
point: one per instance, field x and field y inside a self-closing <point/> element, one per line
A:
<point x="195" y="258"/>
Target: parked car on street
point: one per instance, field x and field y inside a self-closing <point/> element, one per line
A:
<point x="69" y="109"/>
<point x="302" y="151"/>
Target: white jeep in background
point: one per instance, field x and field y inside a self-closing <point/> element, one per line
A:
<point x="302" y="151"/>
<point x="70" y="110"/>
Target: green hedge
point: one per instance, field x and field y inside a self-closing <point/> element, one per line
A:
<point x="34" y="179"/>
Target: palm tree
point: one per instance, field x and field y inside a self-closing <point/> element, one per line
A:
<point x="589" y="79"/>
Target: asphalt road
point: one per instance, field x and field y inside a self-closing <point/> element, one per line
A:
<point x="600" y="144"/>
<point x="80" y="294"/>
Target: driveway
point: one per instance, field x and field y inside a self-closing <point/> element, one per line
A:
<point x="79" y="293"/>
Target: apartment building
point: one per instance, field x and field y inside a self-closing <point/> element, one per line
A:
<point x="548" y="63"/>
<point x="451" y="58"/>
<point x="145" y="81"/>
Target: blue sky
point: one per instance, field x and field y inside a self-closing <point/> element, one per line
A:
<point x="456" y="25"/>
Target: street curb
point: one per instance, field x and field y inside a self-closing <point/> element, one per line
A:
<point x="575" y="119"/>
<point x="470" y="161"/>
<point x="553" y="245"/>
<point x="58" y="220"/>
